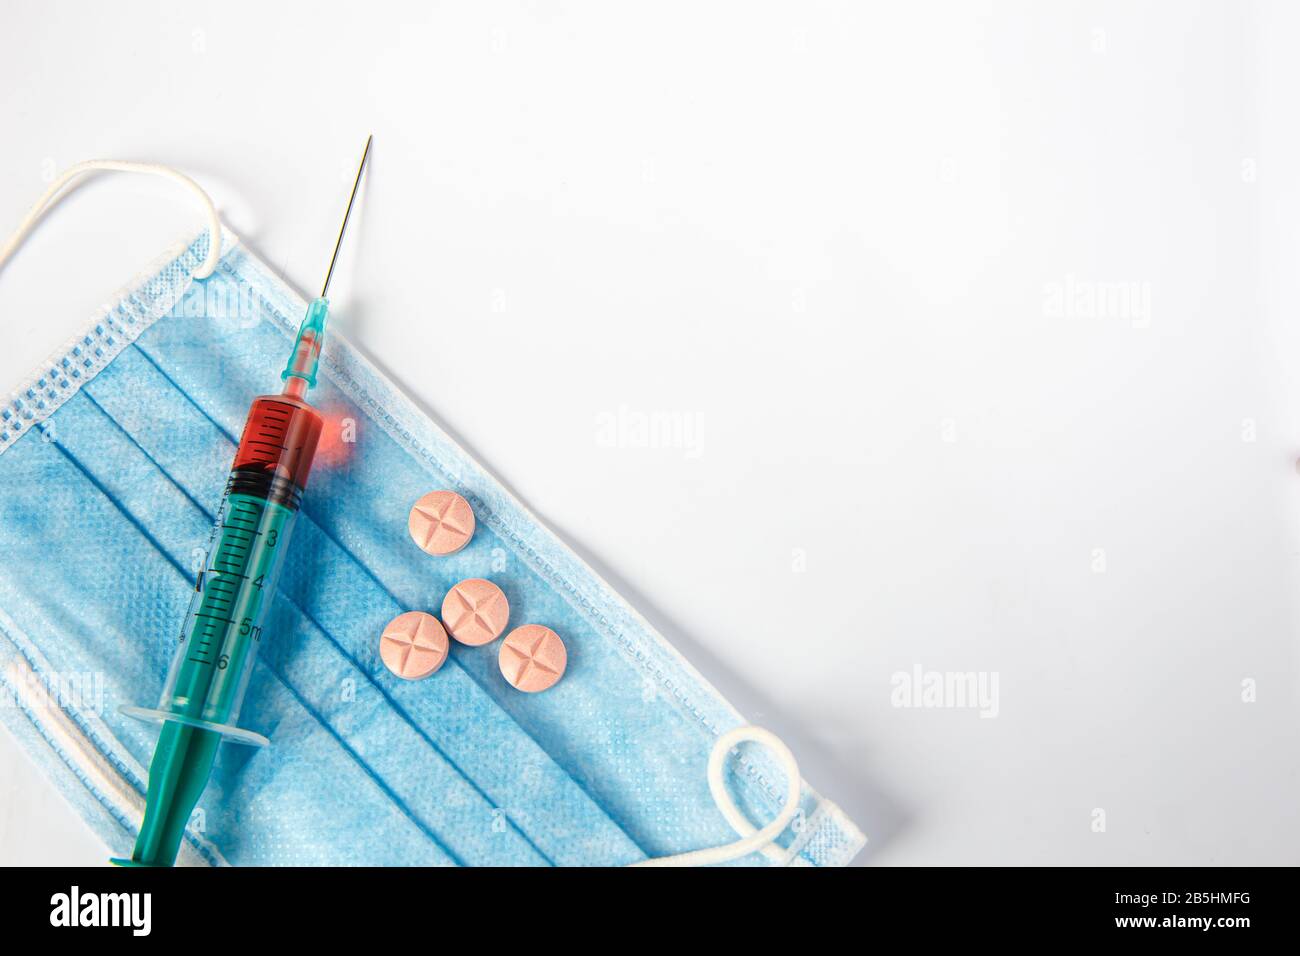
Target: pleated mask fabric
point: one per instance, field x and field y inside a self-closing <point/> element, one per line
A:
<point x="113" y="458"/>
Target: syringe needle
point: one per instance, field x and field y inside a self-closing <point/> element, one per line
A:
<point x="343" y="228"/>
<point x="300" y="372"/>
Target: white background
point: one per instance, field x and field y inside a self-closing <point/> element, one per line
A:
<point x="829" y="238"/>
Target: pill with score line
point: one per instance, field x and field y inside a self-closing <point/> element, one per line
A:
<point x="414" y="645"/>
<point x="475" y="612"/>
<point x="441" y="522"/>
<point x="532" y="658"/>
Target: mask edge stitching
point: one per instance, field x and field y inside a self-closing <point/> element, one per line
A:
<point x="140" y="304"/>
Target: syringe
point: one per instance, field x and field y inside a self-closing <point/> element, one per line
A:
<point x="209" y="674"/>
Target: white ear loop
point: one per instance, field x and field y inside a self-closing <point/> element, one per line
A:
<point x="205" y="269"/>
<point x="752" y="838"/>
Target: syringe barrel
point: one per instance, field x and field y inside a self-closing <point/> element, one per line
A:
<point x="237" y="582"/>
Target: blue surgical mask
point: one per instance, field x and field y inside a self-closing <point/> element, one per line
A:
<point x="112" y="460"/>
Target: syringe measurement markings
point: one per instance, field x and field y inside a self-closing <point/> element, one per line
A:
<point x="217" y="597"/>
<point x="199" y="653"/>
<point x="220" y="592"/>
<point x="271" y="434"/>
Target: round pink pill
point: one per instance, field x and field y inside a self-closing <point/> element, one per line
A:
<point x="442" y="522"/>
<point x="475" y="612"/>
<point x="532" y="658"/>
<point x="414" y="645"/>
